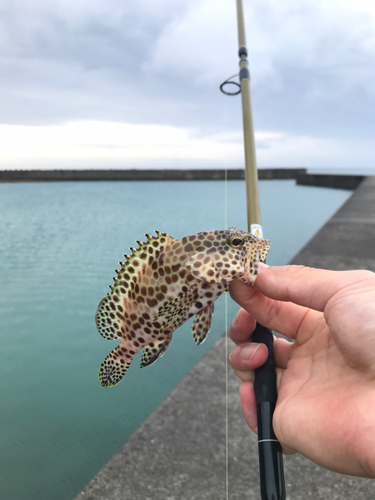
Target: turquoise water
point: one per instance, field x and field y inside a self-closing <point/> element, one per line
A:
<point x="59" y="245"/>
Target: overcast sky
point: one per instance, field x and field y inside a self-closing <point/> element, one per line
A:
<point x="132" y="84"/>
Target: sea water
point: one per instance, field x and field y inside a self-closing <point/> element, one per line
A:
<point x="59" y="245"/>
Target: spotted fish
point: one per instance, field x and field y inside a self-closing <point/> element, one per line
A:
<point x="163" y="284"/>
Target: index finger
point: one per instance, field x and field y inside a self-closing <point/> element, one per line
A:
<point x="242" y="327"/>
<point x="283" y="317"/>
<point x="306" y="286"/>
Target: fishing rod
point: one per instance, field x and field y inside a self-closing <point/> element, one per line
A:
<point x="272" y="483"/>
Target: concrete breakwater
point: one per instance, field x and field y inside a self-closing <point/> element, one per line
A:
<point x="299" y="174"/>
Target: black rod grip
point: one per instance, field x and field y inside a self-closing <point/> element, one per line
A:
<point x="265" y="375"/>
<point x="272" y="483"/>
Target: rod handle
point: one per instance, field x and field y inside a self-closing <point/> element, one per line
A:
<point x="272" y="482"/>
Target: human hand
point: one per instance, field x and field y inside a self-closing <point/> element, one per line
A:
<point x="326" y="378"/>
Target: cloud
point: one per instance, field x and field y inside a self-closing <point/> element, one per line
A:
<point x="199" y="46"/>
<point x="311" y="62"/>
<point x="64" y="60"/>
<point x="161" y="63"/>
<point x="316" y="153"/>
<point x="94" y="144"/>
<point x="103" y="144"/>
<point x="336" y="36"/>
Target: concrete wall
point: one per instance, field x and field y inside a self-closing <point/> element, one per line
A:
<point x="332" y="181"/>
<point x="139" y="175"/>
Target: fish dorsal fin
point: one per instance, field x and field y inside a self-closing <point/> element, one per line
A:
<point x="137" y="262"/>
<point x="106" y="318"/>
<point x="109" y="314"/>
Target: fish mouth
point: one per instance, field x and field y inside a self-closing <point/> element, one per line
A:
<point x="256" y="253"/>
<point x="251" y="269"/>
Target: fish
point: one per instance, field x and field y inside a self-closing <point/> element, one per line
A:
<point x="163" y="283"/>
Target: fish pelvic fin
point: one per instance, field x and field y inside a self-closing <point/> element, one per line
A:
<point x="202" y="324"/>
<point x="152" y="352"/>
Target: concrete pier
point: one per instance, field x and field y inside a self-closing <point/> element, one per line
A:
<point x="148" y="175"/>
<point x="179" y="453"/>
<point x="300" y="174"/>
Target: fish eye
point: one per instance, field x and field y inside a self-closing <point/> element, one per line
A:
<point x="235" y="242"/>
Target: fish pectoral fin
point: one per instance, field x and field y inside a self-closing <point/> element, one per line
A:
<point x="202" y="324"/>
<point x="152" y="352"/>
<point x="175" y="312"/>
<point x="113" y="368"/>
<point x="107" y="323"/>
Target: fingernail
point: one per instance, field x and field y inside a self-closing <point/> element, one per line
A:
<point x="248" y="351"/>
<point x="263" y="265"/>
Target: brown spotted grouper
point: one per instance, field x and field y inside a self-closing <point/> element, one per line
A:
<point x="163" y="284"/>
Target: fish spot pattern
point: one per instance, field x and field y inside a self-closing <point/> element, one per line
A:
<point x="163" y="283"/>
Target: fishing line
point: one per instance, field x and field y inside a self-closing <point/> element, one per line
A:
<point x="226" y="400"/>
<point x="226" y="328"/>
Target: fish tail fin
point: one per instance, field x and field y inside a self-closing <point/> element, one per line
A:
<point x="113" y="368"/>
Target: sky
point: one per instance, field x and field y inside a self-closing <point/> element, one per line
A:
<point x="135" y="84"/>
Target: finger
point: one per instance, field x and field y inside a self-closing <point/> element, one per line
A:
<point x="245" y="358"/>
<point x="306" y="286"/>
<point x="249" y="407"/>
<point x="282" y="317"/>
<point x="242" y="326"/>
<point x="248" y="376"/>
<point x="282" y="350"/>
